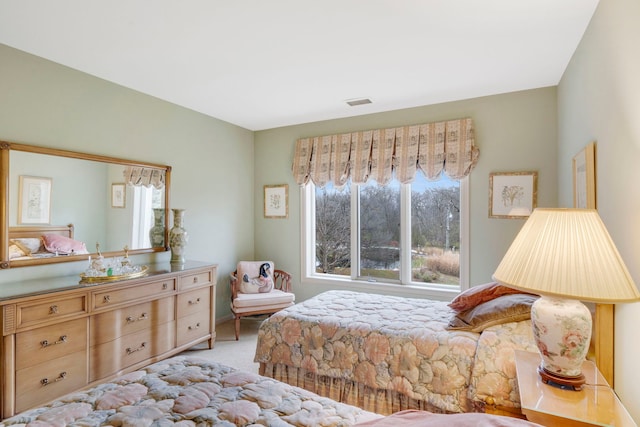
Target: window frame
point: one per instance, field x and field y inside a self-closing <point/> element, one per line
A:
<point x="405" y="286"/>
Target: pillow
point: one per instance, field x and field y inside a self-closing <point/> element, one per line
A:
<point x="16" y="251"/>
<point x="28" y="245"/>
<point x="479" y="294"/>
<point x="255" y="277"/>
<point x="63" y="245"/>
<point x="507" y="308"/>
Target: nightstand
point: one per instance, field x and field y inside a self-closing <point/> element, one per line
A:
<point x="594" y="405"/>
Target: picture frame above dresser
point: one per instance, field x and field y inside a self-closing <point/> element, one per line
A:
<point x="80" y="199"/>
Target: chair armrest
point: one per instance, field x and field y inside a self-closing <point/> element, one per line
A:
<point x="282" y="280"/>
<point x="233" y="282"/>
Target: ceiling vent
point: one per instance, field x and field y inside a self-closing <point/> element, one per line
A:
<point x="359" y="101"/>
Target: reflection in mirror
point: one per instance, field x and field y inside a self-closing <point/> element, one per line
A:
<point x="110" y="202"/>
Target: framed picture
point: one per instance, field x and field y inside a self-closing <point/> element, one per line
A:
<point x="276" y="201"/>
<point x="584" y="178"/>
<point x="34" y="204"/>
<point x="118" y="195"/>
<point x="512" y="194"/>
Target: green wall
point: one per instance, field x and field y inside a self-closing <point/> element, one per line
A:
<point x="219" y="169"/>
<point x="514" y="132"/>
<point x="599" y="100"/>
<point x="46" y="104"/>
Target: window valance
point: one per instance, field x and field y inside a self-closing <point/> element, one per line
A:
<point x="433" y="148"/>
<point x="141" y="176"/>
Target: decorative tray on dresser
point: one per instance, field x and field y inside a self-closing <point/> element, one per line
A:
<point x="59" y="335"/>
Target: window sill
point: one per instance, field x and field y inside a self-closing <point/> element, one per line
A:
<point x="429" y="291"/>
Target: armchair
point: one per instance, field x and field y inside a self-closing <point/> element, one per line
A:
<point x="258" y="288"/>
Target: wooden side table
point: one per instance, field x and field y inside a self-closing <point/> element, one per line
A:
<point x="595" y="405"/>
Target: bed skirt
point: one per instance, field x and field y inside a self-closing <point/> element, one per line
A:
<point x="380" y="401"/>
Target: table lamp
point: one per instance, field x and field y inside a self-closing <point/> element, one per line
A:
<point x="565" y="255"/>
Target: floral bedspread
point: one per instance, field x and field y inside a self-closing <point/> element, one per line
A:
<point x="188" y="392"/>
<point x="397" y="344"/>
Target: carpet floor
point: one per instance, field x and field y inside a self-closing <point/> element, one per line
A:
<point x="226" y="350"/>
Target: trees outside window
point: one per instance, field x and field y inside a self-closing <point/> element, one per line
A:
<point x="406" y="234"/>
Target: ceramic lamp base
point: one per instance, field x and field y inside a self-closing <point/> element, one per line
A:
<point x="562" y="331"/>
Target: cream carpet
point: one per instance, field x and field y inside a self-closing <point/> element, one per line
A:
<point x="238" y="354"/>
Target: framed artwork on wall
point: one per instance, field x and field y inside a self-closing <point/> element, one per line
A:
<point x="118" y="195"/>
<point x="34" y="204"/>
<point x="584" y="197"/>
<point x="584" y="178"/>
<point x="276" y="201"/>
<point x="512" y="194"/>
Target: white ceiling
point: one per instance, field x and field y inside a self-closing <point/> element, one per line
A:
<point x="262" y="64"/>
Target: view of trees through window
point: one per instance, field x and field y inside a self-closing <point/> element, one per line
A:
<point x="434" y="230"/>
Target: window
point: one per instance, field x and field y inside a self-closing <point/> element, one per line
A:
<point x="144" y="200"/>
<point x="406" y="234"/>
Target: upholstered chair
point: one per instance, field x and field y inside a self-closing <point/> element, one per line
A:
<point x="258" y="288"/>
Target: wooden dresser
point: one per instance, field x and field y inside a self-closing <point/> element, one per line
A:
<point x="59" y="336"/>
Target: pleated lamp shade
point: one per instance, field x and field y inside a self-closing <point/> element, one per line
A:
<point x="567" y="253"/>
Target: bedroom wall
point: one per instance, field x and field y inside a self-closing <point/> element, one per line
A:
<point x="46" y="104"/>
<point x="599" y="100"/>
<point x="514" y="132"/>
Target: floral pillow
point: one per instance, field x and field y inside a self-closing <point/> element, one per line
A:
<point x="479" y="294"/>
<point x="56" y="243"/>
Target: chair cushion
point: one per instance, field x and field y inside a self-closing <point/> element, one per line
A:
<point x="253" y="278"/>
<point x="276" y="299"/>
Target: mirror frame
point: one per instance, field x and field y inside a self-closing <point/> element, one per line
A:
<point x="5" y="150"/>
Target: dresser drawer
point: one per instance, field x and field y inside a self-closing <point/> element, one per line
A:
<point x="50" y="342"/>
<point x="192" y="327"/>
<point x="114" y="297"/>
<point x="46" y="381"/>
<point x="113" y="356"/>
<point x="194" y="301"/>
<point x="123" y="321"/>
<point x="200" y="278"/>
<point x="117" y="323"/>
<point x="50" y="310"/>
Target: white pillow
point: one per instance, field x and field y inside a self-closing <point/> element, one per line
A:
<point x="28" y="244"/>
<point x="15" y="251"/>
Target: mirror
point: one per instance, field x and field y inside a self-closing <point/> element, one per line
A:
<point x="95" y="203"/>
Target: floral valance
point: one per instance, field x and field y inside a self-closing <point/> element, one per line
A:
<point x="433" y="148"/>
<point x="141" y="176"/>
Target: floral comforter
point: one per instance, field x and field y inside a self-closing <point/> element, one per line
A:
<point x="188" y="392"/>
<point x="397" y="344"/>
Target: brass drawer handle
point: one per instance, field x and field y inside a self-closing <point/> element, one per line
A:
<point x="45" y="381"/>
<point x="133" y="350"/>
<point x="197" y="301"/>
<point x="62" y="340"/>
<point x="53" y="309"/>
<point x="164" y="286"/>
<point x="106" y="299"/>
<point x="191" y="328"/>
<point x="143" y="316"/>
<point x="195" y="279"/>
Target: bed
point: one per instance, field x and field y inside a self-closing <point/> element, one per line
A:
<point x="386" y="353"/>
<point x="189" y="391"/>
<point x="43" y="241"/>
